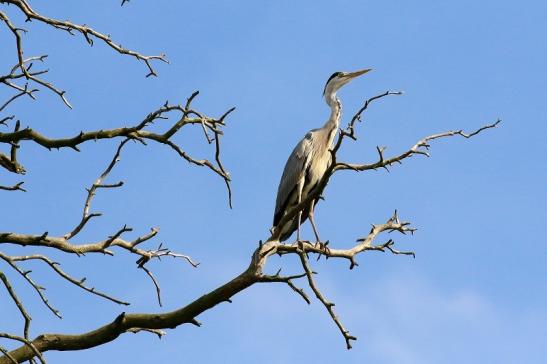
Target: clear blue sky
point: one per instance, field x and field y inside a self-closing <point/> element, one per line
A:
<point x="476" y="292"/>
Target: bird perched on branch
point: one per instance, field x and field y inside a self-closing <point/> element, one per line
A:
<point x="309" y="161"/>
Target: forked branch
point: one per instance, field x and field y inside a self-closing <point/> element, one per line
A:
<point x="186" y="314"/>
<point x="187" y="116"/>
<point x="87" y="32"/>
<point x="62" y="243"/>
<point x="15" y="187"/>
<point x="393" y="224"/>
<point x="254" y="272"/>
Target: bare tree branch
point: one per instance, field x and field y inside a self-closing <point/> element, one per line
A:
<point x="55" y="266"/>
<point x="349" y="131"/>
<point x="86" y="216"/>
<point x="20" y="82"/>
<point x="8" y="355"/>
<point x="11" y="165"/>
<point x="27" y="344"/>
<point x="187" y="314"/>
<point x="103" y="246"/>
<point x="24" y="91"/>
<point x="328" y="305"/>
<point x="336" y="166"/>
<point x="38" y="288"/>
<point x="421" y="147"/>
<point x="364" y="244"/>
<point x="5" y="119"/>
<point x="188" y="117"/>
<point x="25" y="72"/>
<point x="62" y="243"/>
<point x="15" y="187"/>
<point x="17" y="302"/>
<point x="393" y="224"/>
<point x="87" y="32"/>
<point x="154" y="281"/>
<point x="159" y="333"/>
<point x="288" y="280"/>
<point x="253" y="274"/>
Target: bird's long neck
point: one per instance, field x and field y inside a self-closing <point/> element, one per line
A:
<point x="333" y="122"/>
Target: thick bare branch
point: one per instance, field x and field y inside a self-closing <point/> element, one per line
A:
<point x="131" y="322"/>
<point x="27" y="344"/>
<point x="187" y="314"/>
<point x="103" y="246"/>
<point x="5" y="352"/>
<point x="188" y="116"/>
<point x="211" y="127"/>
<point x="62" y="244"/>
<point x="393" y="224"/>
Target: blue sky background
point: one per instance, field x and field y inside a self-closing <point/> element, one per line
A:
<point x="475" y="293"/>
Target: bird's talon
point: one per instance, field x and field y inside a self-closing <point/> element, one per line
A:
<point x="323" y="249"/>
<point x="300" y="245"/>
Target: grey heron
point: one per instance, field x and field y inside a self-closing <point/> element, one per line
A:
<point x="309" y="161"/>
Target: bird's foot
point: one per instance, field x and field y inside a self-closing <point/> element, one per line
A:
<point x="300" y="247"/>
<point x="323" y="249"/>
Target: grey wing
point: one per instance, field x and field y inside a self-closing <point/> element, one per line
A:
<point x="294" y="170"/>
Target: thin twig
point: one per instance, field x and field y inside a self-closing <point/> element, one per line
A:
<point x="26" y="342"/>
<point x="15" y="187"/>
<point x="18" y="303"/>
<point x="36" y="287"/>
<point x="77" y="282"/>
<point x="328" y="305"/>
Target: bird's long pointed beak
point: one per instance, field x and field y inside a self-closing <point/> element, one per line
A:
<point x="351" y="75"/>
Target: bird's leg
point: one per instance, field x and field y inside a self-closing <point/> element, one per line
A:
<point x="298" y="226"/>
<point x="312" y="221"/>
<point x="322" y="246"/>
<point x="300" y="243"/>
<point x="299" y="221"/>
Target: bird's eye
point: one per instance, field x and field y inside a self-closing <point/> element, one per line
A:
<point x="333" y="76"/>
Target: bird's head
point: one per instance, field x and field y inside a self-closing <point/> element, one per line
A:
<point x="339" y="79"/>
